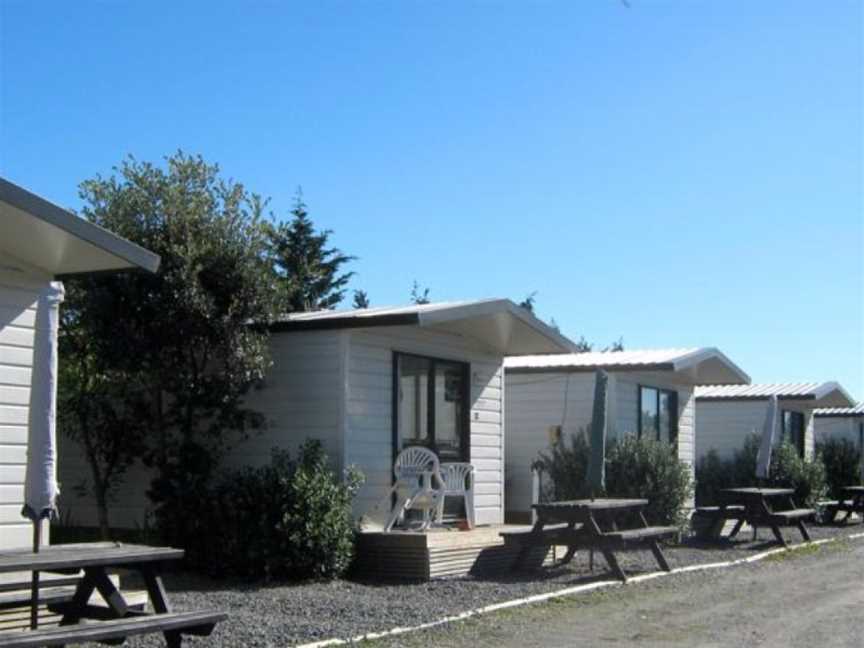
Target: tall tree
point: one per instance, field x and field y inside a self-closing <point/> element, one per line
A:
<point x="529" y="301"/>
<point x="310" y="272"/>
<point x="178" y="345"/>
<point x="100" y="409"/>
<point x="418" y="295"/>
<point x="361" y="299"/>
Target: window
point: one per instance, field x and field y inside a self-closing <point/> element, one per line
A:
<point x="431" y="405"/>
<point x="793" y="430"/>
<point x="658" y="414"/>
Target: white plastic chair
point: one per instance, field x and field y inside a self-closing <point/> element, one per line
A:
<point x="418" y="485"/>
<point x="458" y="481"/>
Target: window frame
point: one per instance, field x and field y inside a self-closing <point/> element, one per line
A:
<point x="672" y="394"/>
<point x="798" y="442"/>
<point x="465" y="432"/>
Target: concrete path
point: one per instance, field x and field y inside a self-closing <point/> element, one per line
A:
<point x="813" y="597"/>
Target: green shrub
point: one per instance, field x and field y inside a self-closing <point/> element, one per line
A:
<point x="788" y="470"/>
<point x="714" y="474"/>
<point x="641" y="468"/>
<point x="842" y="460"/>
<point x="286" y="520"/>
<point x="564" y="468"/>
<point x="650" y="469"/>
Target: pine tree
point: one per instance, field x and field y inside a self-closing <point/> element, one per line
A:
<point x="309" y="270"/>
<point x="419" y="296"/>
<point x="361" y="299"/>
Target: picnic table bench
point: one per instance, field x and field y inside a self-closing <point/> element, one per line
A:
<point x="115" y="621"/>
<point x="852" y="501"/>
<point x="753" y="506"/>
<point x="592" y="525"/>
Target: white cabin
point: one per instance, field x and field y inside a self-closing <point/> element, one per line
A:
<point x="727" y="415"/>
<point x="840" y="423"/>
<point x="39" y="243"/>
<point x="368" y="382"/>
<point x="650" y="392"/>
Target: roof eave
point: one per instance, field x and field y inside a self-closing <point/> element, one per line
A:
<point x="125" y="254"/>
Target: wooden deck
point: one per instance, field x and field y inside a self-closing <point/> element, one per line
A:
<point x="437" y="553"/>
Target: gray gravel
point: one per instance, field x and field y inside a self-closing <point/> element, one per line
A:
<point x="281" y="615"/>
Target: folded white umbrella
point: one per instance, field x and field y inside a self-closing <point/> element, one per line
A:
<point x="40" y="480"/>
<point x="769" y="433"/>
<point x="40" y="477"/>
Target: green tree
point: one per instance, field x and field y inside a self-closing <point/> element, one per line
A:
<point x="361" y="299"/>
<point x="177" y="345"/>
<point x="529" y="301"/>
<point x="100" y="409"/>
<point x="309" y="271"/>
<point x="419" y="295"/>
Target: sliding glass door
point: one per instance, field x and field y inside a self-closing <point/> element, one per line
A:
<point x="431" y="405"/>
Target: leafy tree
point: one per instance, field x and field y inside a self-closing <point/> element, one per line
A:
<point x="99" y="409"/>
<point x="176" y="346"/>
<point x="582" y="345"/>
<point x="528" y="302"/>
<point x="309" y="271"/>
<point x="419" y="296"/>
<point x="361" y="299"/>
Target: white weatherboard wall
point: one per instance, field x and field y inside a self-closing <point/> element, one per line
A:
<point x="299" y="399"/>
<point x="537" y="401"/>
<point x="18" y="296"/>
<point x="369" y="422"/>
<point x="724" y="425"/>
<point x="336" y="386"/>
<point x="838" y="427"/>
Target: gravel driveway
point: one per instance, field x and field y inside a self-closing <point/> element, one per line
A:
<point x="810" y="597"/>
<point x="282" y="615"/>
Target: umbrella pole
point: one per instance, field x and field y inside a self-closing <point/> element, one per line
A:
<point x="34" y="585"/>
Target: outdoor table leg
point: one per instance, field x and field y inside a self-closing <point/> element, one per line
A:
<point x="571" y="548"/>
<point x="83" y="592"/>
<point x="777" y="534"/>
<point x="654" y="546"/>
<point x="108" y="591"/>
<point x="612" y="561"/>
<point x="717" y="528"/>
<point x="738" y="524"/>
<point x="526" y="548"/>
<point x="848" y="511"/>
<point x="159" y="601"/>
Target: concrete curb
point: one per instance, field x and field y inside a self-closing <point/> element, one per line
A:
<point x="569" y="591"/>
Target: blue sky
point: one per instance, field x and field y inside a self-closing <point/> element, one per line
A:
<point x="676" y="173"/>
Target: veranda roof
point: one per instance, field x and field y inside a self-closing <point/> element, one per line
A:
<point x="705" y="365"/>
<point x="41" y="235"/>
<point x="857" y="411"/>
<point x="825" y="394"/>
<point x="496" y="323"/>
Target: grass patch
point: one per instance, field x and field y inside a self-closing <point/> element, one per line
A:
<point x="802" y="551"/>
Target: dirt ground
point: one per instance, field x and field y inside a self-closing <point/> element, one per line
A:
<point x="813" y="596"/>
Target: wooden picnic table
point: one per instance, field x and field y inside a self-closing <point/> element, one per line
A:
<point x="851" y="501"/>
<point x="593" y="524"/>
<point x="117" y="619"/>
<point x="771" y="507"/>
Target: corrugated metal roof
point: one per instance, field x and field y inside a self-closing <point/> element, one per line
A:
<point x="602" y="359"/>
<point x="498" y="324"/>
<point x="705" y="364"/>
<point x="790" y="391"/>
<point x="858" y="410"/>
<point x="380" y="311"/>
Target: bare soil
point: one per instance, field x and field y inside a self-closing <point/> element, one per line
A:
<point x="811" y="596"/>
